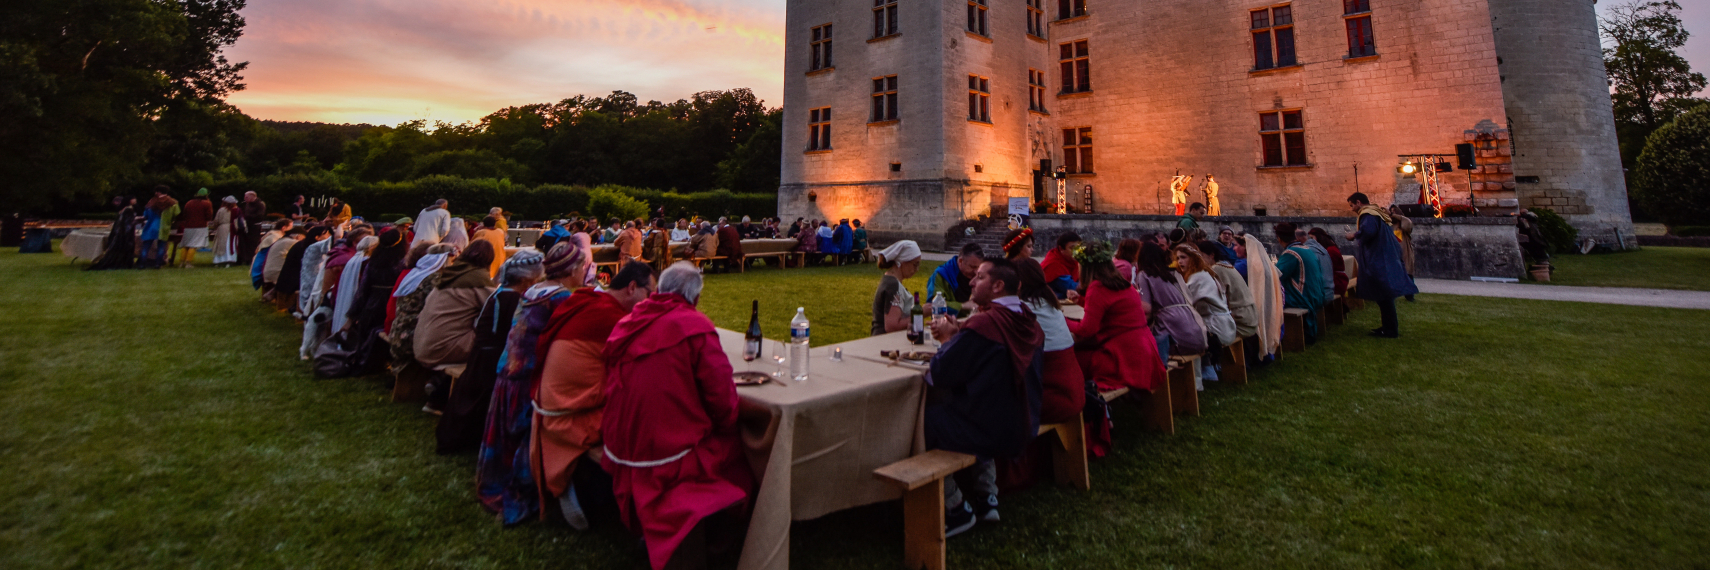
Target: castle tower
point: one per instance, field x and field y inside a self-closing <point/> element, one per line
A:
<point x="1566" y="156"/>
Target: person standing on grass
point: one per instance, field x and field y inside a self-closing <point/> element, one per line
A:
<point x="892" y="303"/>
<point x="986" y="391"/>
<point x="433" y="223"/>
<point x="1382" y="276"/>
<point x="569" y="400"/>
<point x="493" y="233"/>
<point x="228" y="232"/>
<point x="118" y="249"/>
<point x="955" y="278"/>
<point x="1297" y="269"/>
<point x="198" y="214"/>
<point x="157" y="228"/>
<point x="254" y="213"/>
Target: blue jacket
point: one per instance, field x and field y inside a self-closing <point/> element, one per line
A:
<point x="844" y="238"/>
<point x="1382" y="276"/>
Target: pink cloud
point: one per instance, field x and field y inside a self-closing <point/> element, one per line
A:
<point x="386" y="61"/>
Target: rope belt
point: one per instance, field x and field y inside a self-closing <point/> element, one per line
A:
<point x="549" y="413"/>
<point x="642" y="464"/>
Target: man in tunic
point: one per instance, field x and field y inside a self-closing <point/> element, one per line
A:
<point x="198" y="215"/>
<point x="730" y="245"/>
<point x="628" y="242"/>
<point x="254" y="213"/>
<point x="1297" y="269"/>
<point x="1190" y="221"/>
<point x="985" y="391"/>
<point x="671" y="441"/>
<point x="493" y="233"/>
<point x="433" y="224"/>
<point x="1326" y="266"/>
<point x="1382" y="277"/>
<point x="657" y="246"/>
<point x="1213" y="207"/>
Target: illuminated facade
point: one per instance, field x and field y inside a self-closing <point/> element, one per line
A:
<point x="913" y="115"/>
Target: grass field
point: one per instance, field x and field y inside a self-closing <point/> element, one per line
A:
<point x="159" y="419"/>
<point x="1651" y="267"/>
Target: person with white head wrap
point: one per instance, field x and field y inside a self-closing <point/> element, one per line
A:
<point x="349" y="282"/>
<point x="893" y="302"/>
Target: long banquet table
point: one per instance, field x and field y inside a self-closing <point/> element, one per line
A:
<point x="814" y="444"/>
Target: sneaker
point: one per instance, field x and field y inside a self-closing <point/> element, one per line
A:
<point x="958" y="520"/>
<point x="986" y="508"/>
<point x="572" y="508"/>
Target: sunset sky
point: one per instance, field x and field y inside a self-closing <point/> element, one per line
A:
<point x="388" y="61"/>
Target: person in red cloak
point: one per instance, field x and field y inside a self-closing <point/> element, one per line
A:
<point x="985" y="395"/>
<point x="569" y="398"/>
<point x="1062" y="272"/>
<point x="671" y="441"/>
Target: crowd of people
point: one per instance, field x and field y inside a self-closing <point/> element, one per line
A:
<point x="1016" y="361"/>
<point x="583" y="395"/>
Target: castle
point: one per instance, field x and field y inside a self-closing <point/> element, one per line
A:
<point x="914" y="115"/>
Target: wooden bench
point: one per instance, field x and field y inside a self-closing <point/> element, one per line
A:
<point x="1322" y="320"/>
<point x="783" y="257"/>
<point x="410" y="383"/>
<point x="698" y="261"/>
<point x="1184" y="384"/>
<point x="1336" y="311"/>
<point x="1294" y="330"/>
<point x="1069" y="457"/>
<point x="1234" y="368"/>
<point x="921" y="479"/>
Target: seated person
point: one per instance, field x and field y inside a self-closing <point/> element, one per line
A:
<point x="445" y="329"/>
<point x="1062" y="272"/>
<point x="1113" y="341"/>
<point x="1297" y="269"/>
<point x="985" y="390"/>
<point x="955" y="278"/>
<point x="671" y="442"/>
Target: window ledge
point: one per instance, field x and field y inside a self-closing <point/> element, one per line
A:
<point x="1357" y="14"/>
<point x="1036" y="38"/>
<point x="1039" y="112"/>
<point x="1285" y="168"/>
<point x="979" y="122"/>
<point x="1279" y="69"/>
<point x="883" y="38"/>
<point x="1081" y="175"/>
<point x="884" y="123"/>
<point x="1072" y="95"/>
<point x="1360" y="59"/>
<point x="818" y="151"/>
<point x="977" y="36"/>
<point x="1071" y="19"/>
<point x="821" y="71"/>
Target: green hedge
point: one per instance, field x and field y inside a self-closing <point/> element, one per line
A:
<point x="1559" y="235"/>
<point x="474" y="196"/>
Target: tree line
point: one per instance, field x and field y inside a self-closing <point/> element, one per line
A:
<point x="104" y="97"/>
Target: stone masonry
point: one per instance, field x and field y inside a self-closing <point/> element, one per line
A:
<point x="1174" y="90"/>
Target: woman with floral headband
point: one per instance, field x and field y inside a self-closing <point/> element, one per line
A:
<point x="1018" y="244"/>
<point x="1112" y="340"/>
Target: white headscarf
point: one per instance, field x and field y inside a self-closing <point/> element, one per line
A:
<point x="314" y="260"/>
<point x="902" y="251"/>
<point x="458" y="236"/>
<point x="425" y="267"/>
<point x="349" y="283"/>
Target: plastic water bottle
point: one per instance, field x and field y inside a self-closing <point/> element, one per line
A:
<point x="940" y="307"/>
<point x="799" y="345"/>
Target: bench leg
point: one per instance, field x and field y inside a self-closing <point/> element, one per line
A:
<point x="1156" y="405"/>
<point x="1294" y="335"/>
<point x="1185" y="396"/>
<point x="1235" y="363"/>
<point x="923" y="527"/>
<point x="1335" y="312"/>
<point x="410" y="385"/>
<point x="1071" y="455"/>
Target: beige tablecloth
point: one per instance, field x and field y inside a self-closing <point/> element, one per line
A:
<point x="814" y="444"/>
<point x="83" y="244"/>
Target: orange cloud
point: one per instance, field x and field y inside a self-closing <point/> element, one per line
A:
<point x="386" y="61"/>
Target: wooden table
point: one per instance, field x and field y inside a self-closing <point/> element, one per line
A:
<point x="814" y="444"/>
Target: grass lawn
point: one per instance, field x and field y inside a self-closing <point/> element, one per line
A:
<point x="159" y="419"/>
<point x="1651" y="267"/>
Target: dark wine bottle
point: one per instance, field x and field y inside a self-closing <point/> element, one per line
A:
<point x="917" y="323"/>
<point x="751" y="340"/>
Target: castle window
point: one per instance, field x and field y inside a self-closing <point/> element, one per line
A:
<point x="1357" y="15"/>
<point x="884" y="18"/>
<point x="1072" y="57"/>
<point x="1282" y="134"/>
<point x="884" y="98"/>
<point x="1036" y="90"/>
<point x="1273" y="38"/>
<point x="979" y="99"/>
<point x="1077" y="150"/>
<point x="821" y="43"/>
<point x="1036" y="18"/>
<point x="1071" y="9"/>
<point x="977" y="17"/>
<point x="819" y="129"/>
